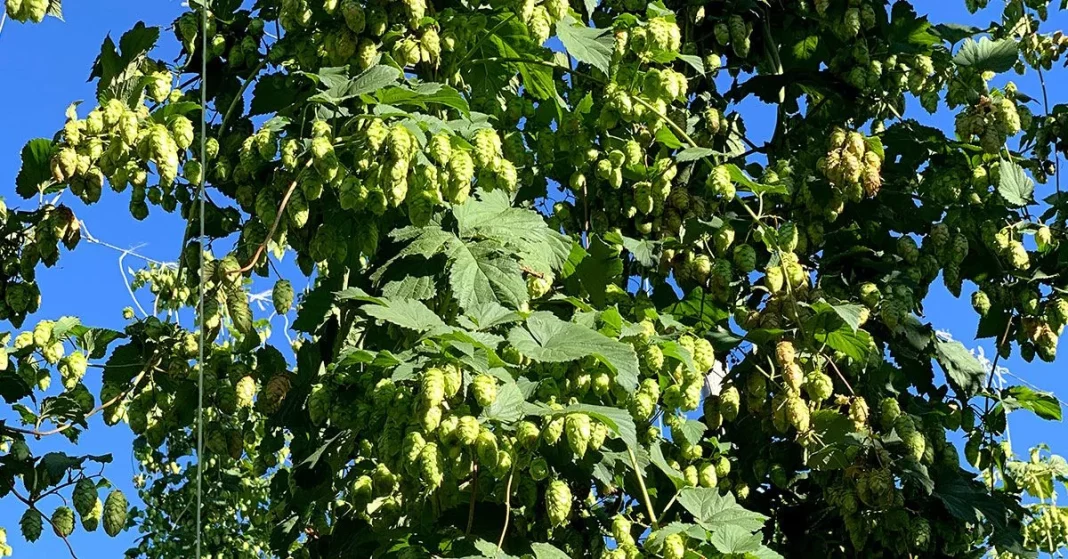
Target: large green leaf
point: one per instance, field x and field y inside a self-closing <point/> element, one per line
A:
<point x="715" y="511"/>
<point x="424" y="94"/>
<point x="508" y="407"/>
<point x="987" y="55"/>
<point x="968" y="500"/>
<point x="548" y="339"/>
<point x="832" y="441"/>
<point x="406" y="313"/>
<point x="736" y="540"/>
<point x="35" y="174"/>
<point x="1014" y="185"/>
<point x="856" y="344"/>
<point x="601" y="268"/>
<point x="1044" y="404"/>
<point x="341" y="88"/>
<point x="547" y="551"/>
<point x="586" y="44"/>
<point x="963" y="371"/>
<point x="119" y="72"/>
<point x="480" y="275"/>
<point x="656" y="457"/>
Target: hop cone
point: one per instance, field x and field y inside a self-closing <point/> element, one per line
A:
<point x="115" y="513"/>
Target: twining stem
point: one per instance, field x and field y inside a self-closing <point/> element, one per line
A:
<point x="507" y="511"/>
<point x="274" y="226"/>
<point x="474" y="496"/>
<point x="641" y="485"/>
<point x="240" y="96"/>
<point x="483" y="38"/>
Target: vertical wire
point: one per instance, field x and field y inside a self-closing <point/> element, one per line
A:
<point x="200" y="282"/>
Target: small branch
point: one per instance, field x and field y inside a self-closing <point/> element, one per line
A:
<point x="645" y="492"/>
<point x="507" y="511"/>
<point x="667" y="507"/>
<point x="30" y="503"/>
<point x="103" y="406"/>
<point x="483" y="38"/>
<point x="842" y="377"/>
<point x="274" y="226"/>
<point x="240" y="97"/>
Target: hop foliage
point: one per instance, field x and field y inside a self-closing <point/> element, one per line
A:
<point x="464" y="347"/>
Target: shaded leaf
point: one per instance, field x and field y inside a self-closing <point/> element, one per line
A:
<point x="963" y="371"/>
<point x="35" y="174"/>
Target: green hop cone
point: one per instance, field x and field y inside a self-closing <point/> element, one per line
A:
<point x="651" y="358"/>
<point x="31" y="525"/>
<point x="63" y="522"/>
<point x="282" y="296"/>
<point x="526" y="433"/>
<point x="72" y="368"/>
<point x="818" y="386"/>
<point x="981" y="302"/>
<point x="730" y="402"/>
<point x="484" y="389"/>
<point x="703" y="356"/>
<point x="719" y="182"/>
<point x="539" y="469"/>
<point x="706" y="475"/>
<point x="745" y="258"/>
<point x="246" y="391"/>
<point x="34" y="10"/>
<point x="114" y="513"/>
<point x="621" y="530"/>
<point x="797" y="414"/>
<point x="487" y="449"/>
<point x="674" y="547"/>
<point x="91" y="520"/>
<point x="432" y="384"/>
<point x="788" y="237"/>
<point x="558" y="502"/>
<point x="84" y="496"/>
<point x="431" y="467"/>
<point x="578" y="428"/>
<point x="538" y="287"/>
<point x="318" y="404"/>
<point x="467" y="430"/>
<point x="920" y="531"/>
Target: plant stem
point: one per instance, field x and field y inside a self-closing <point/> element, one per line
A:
<point x="645" y="493"/>
<point x="103" y="406"/>
<point x="274" y="226"/>
<point x="507" y="511"/>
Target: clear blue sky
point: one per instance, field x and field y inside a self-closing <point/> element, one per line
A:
<point x="45" y="67"/>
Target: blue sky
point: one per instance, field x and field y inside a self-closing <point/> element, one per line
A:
<point x="45" y="69"/>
